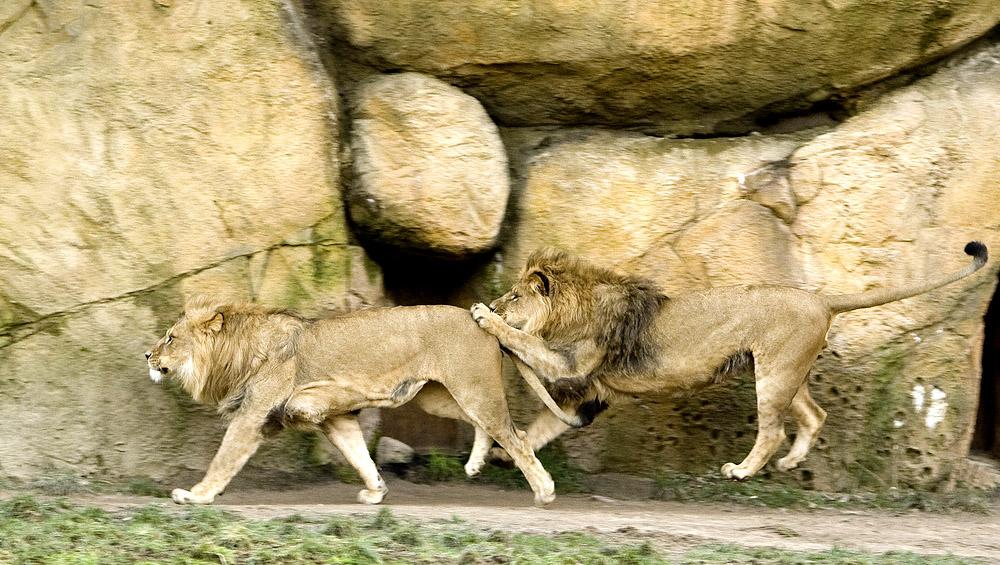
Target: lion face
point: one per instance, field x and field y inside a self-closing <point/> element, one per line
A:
<point x="173" y="354"/>
<point x="527" y="305"/>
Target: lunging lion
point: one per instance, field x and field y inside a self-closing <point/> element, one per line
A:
<point x="592" y="332"/>
<point x="268" y="369"/>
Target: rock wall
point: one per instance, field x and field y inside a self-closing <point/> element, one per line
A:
<point x="292" y="153"/>
<point x="197" y="152"/>
<point x="696" y="67"/>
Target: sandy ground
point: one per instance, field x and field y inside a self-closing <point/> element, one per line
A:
<point x="670" y="526"/>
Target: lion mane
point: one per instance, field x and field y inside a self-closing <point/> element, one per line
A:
<point x="248" y="335"/>
<point x="589" y="301"/>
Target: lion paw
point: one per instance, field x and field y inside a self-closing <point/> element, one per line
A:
<point x="787" y="464"/>
<point x="473" y="468"/>
<point x="479" y="312"/>
<point x="181" y="496"/>
<point x="485" y="317"/>
<point x="735" y="472"/>
<point x="370" y="496"/>
<point x="545" y="498"/>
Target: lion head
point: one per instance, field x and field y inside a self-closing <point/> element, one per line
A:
<point x="564" y="299"/>
<point x="176" y="353"/>
<point x="215" y="346"/>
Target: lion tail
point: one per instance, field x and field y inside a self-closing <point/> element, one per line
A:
<point x="848" y="302"/>
<point x="529" y="376"/>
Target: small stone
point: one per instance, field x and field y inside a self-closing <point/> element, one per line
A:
<point x="392" y="451"/>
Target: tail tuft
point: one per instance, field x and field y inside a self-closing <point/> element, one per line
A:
<point x="589" y="410"/>
<point x="978" y="251"/>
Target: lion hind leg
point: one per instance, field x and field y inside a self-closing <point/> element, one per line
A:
<point x="480" y="448"/>
<point x="809" y="418"/>
<point x="774" y="397"/>
<point x="546" y="427"/>
<point x="514" y="441"/>
<point x="345" y="433"/>
<point x="493" y="417"/>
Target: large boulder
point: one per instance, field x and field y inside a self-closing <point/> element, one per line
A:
<point x="689" y="67"/>
<point x="194" y="153"/>
<point x="430" y="171"/>
<point x="889" y="197"/>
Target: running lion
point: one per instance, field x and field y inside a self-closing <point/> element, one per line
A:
<point x="593" y="333"/>
<point x="267" y="370"/>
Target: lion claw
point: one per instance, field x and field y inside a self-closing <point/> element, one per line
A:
<point x="482" y="314"/>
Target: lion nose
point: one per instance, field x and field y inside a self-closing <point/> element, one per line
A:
<point x="148" y="355"/>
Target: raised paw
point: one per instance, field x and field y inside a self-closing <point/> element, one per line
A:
<point x="479" y="311"/>
<point x="787" y="463"/>
<point x="483" y="316"/>
<point x="181" y="496"/>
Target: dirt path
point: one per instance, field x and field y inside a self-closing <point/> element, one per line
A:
<point x="670" y="525"/>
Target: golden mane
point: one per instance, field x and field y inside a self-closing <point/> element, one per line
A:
<point x="589" y="301"/>
<point x="226" y="357"/>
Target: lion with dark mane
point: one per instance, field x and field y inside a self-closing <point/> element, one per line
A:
<point x="267" y="370"/>
<point x="593" y="333"/>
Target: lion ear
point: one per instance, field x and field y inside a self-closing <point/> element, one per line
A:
<point x="214" y="324"/>
<point x="541" y="281"/>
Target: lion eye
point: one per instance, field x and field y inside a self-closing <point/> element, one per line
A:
<point x="514" y="299"/>
<point x="170" y="338"/>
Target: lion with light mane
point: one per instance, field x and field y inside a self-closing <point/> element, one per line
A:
<point x="267" y="370"/>
<point x="593" y="333"/>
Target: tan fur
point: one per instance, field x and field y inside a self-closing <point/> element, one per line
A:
<point x="268" y="369"/>
<point x="593" y="333"/>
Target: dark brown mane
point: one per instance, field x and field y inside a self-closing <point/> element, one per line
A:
<point x="590" y="301"/>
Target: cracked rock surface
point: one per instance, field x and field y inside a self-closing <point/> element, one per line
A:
<point x="195" y="153"/>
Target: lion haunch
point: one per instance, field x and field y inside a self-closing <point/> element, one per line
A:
<point x="268" y="370"/>
<point x="593" y="333"/>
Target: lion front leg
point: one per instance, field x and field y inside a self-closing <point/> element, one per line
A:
<point x="241" y="441"/>
<point x="532" y="350"/>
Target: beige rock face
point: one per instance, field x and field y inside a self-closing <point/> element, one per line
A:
<point x="195" y="153"/>
<point x="691" y="67"/>
<point x="430" y="169"/>
<point x="890" y="196"/>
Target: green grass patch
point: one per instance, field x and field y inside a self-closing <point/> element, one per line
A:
<point x="43" y="531"/>
<point x="55" y="531"/>
<point x="725" y="553"/>
<point x="442" y="468"/>
<point x="759" y="491"/>
<point x="144" y="486"/>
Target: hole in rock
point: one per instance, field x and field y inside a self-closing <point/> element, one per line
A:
<point x="986" y="439"/>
